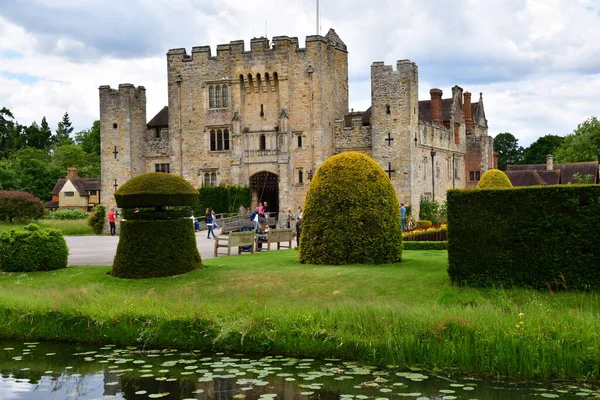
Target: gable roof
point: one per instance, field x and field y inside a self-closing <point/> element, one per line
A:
<point x="425" y="110"/>
<point x="83" y="185"/>
<point x="160" y="120"/>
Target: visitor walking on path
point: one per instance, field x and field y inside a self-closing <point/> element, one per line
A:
<point x="111" y="222"/>
<point x="298" y="226"/>
<point x="403" y="216"/>
<point x="209" y="223"/>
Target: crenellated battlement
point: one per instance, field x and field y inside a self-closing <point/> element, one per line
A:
<point x="259" y="47"/>
<point x="124" y="88"/>
<point x="402" y="67"/>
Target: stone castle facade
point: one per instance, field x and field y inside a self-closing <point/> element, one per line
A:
<point x="269" y="117"/>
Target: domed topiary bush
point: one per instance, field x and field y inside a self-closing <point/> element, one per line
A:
<point x="351" y="214"/>
<point x="160" y="242"/>
<point x="494" y="179"/>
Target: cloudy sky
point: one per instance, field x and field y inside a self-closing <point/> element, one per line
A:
<point x="537" y="62"/>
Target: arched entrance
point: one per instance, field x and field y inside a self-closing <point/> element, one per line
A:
<point x="265" y="187"/>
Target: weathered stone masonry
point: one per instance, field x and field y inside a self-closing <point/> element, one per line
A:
<point x="270" y="116"/>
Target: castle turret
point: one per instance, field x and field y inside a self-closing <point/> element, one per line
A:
<point x="122" y="133"/>
<point x="394" y="120"/>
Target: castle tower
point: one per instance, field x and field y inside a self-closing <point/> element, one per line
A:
<point x="394" y="121"/>
<point x="122" y="133"/>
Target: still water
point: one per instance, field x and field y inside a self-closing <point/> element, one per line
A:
<point x="61" y="371"/>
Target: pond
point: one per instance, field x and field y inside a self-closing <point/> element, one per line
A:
<point x="65" y="371"/>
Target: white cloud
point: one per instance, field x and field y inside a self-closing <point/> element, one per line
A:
<point x="536" y="61"/>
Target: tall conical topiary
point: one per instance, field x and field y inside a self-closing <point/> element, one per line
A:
<point x="156" y="242"/>
<point x="351" y="214"/>
<point x="494" y="179"/>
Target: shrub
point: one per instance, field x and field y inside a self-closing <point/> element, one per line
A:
<point x="530" y="236"/>
<point x="424" y="224"/>
<point x="151" y="249"/>
<point x="425" y="245"/>
<point x="33" y="250"/>
<point x="68" y="214"/>
<point x="494" y="179"/>
<point x="350" y="214"/>
<point x="19" y="206"/>
<point x="156" y="189"/>
<point x="97" y="219"/>
<point x="432" y="210"/>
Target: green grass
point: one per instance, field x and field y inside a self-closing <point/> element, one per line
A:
<point x="68" y="227"/>
<point x="405" y="314"/>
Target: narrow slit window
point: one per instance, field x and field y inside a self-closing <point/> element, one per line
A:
<point x="206" y="179"/>
<point x="263" y="142"/>
<point x="299" y="141"/>
<point x="388" y="111"/>
<point x="262" y="111"/>
<point x="300" y="177"/>
<point x="213" y="179"/>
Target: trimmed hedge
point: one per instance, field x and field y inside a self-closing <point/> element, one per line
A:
<point x="350" y="214"/>
<point x="151" y="249"/>
<point x="425" y="245"/>
<point x="156" y="189"/>
<point x="33" y="250"/>
<point x="222" y="199"/>
<point x="494" y="179"/>
<point x="152" y="214"/>
<point x="19" y="206"/>
<point x="530" y="237"/>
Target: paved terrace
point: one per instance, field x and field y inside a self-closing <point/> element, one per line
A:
<point x="101" y="250"/>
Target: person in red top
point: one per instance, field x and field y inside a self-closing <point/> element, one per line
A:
<point x="111" y="222"/>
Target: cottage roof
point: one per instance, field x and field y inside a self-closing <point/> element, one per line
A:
<point x="83" y="185"/>
<point x="530" y="174"/>
<point x="160" y="120"/>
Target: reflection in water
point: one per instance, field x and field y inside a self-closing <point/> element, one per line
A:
<point x="48" y="371"/>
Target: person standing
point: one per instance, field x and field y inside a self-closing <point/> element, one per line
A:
<point x="261" y="210"/>
<point x="209" y="223"/>
<point x="298" y="226"/>
<point x="111" y="222"/>
<point x="266" y="209"/>
<point x="289" y="219"/>
<point x="403" y="216"/>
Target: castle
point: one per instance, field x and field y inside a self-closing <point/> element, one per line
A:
<point x="268" y="117"/>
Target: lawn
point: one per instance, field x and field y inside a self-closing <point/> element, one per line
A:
<point x="405" y="314"/>
<point x="68" y="227"/>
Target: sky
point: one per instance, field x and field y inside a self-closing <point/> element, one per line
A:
<point x="537" y="62"/>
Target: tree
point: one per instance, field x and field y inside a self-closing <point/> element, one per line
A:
<point x="536" y="153"/>
<point x="89" y="139"/>
<point x="508" y="149"/>
<point x="581" y="145"/>
<point x="35" y="172"/>
<point x="8" y="134"/>
<point x="9" y="178"/>
<point x="64" y="131"/>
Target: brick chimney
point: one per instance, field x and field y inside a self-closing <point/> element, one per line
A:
<point x="72" y="173"/>
<point x="549" y="162"/>
<point x="467" y="111"/>
<point x="436" y="106"/>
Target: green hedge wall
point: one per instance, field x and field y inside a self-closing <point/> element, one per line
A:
<point x="151" y="249"/>
<point x="222" y="199"/>
<point x="529" y="237"/>
<point x="34" y="250"/>
<point x="425" y="245"/>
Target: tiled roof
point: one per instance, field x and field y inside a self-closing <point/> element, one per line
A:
<point x="83" y="185"/>
<point x="425" y="110"/>
<point x="59" y="185"/>
<point x="51" y="204"/>
<point x="528" y="174"/>
<point x="160" y="120"/>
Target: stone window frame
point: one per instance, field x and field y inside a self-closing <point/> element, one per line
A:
<point x="218" y="96"/>
<point x="209" y="177"/>
<point x="219" y="139"/>
<point x="299" y="176"/>
<point x="299" y="141"/>
<point x="474" y="176"/>
<point x="162" y="167"/>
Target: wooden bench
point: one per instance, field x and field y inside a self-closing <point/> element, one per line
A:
<point x="278" y="236"/>
<point x="235" y="239"/>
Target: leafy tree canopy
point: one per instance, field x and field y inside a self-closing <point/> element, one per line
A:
<point x="89" y="139"/>
<point x="581" y="145"/>
<point x="508" y="149"/>
<point x="536" y="153"/>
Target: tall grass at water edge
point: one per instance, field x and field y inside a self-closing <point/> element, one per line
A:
<point x="76" y="227"/>
<point x="406" y="314"/>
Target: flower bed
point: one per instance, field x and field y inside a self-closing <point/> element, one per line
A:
<point x="435" y="233"/>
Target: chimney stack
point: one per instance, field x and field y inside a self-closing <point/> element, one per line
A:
<point x="549" y="162"/>
<point x="436" y="106"/>
<point x="467" y="111"/>
<point x="72" y="173"/>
